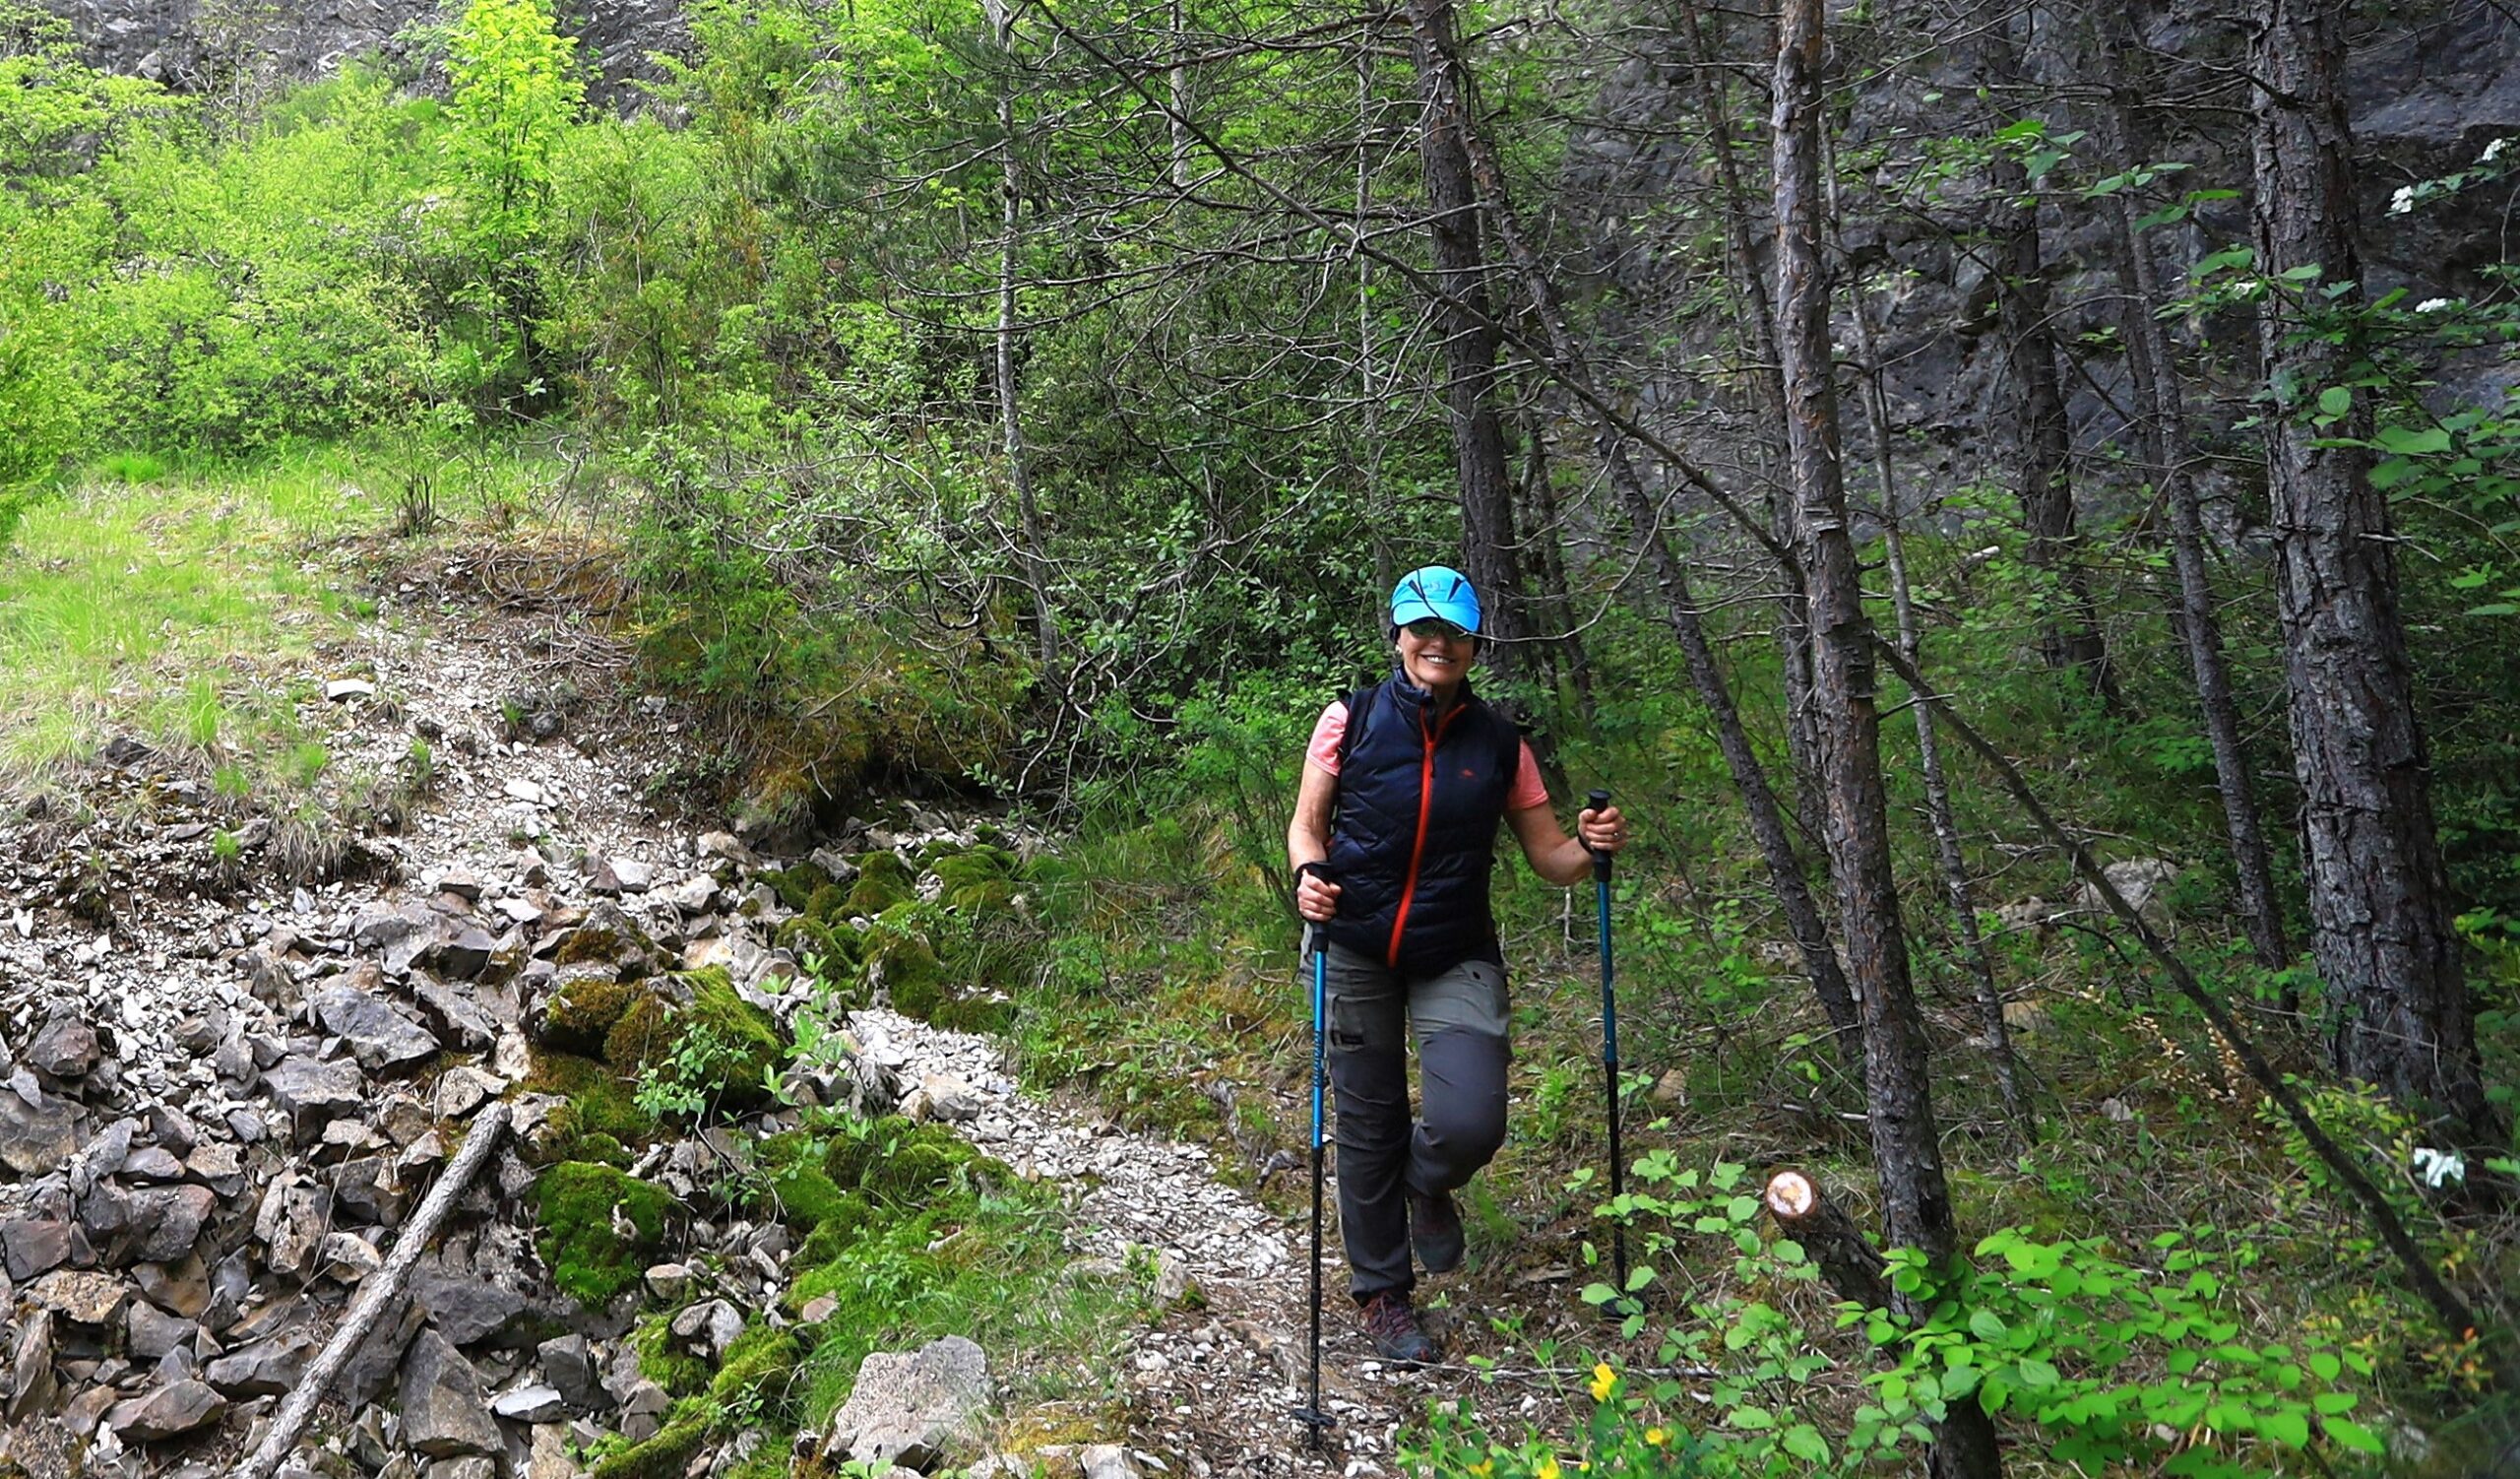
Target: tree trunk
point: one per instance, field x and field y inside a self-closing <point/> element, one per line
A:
<point x="2379" y="898"/>
<point x="1948" y="857"/>
<point x="2069" y="631"/>
<point x="1554" y="600"/>
<point x="1756" y="319"/>
<point x="2161" y="413"/>
<point x="1036" y="574"/>
<point x="1915" y="1202"/>
<point x="1470" y="335"/>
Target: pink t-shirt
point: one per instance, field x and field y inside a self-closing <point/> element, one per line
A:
<point x="1528" y="789"/>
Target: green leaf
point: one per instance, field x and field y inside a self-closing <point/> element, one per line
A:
<point x="2323" y="1365"/>
<point x="2336" y="400"/>
<point x="2035" y="1374"/>
<point x="1986" y="1325"/>
<point x="1804" y="1441"/>
<point x="2286" y="1426"/>
<point x="1598" y="1294"/>
<point x="2353" y="1435"/>
<point x="2410" y="441"/>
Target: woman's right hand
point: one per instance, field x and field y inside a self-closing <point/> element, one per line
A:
<point x="1316" y="897"/>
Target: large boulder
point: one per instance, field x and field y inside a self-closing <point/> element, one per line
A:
<point x="170" y="1411"/>
<point x="444" y="1415"/>
<point x="912" y="1409"/>
<point x="37" y="1132"/>
<point x="314" y="1092"/>
<point x="380" y="1036"/>
<point x="66" y="1048"/>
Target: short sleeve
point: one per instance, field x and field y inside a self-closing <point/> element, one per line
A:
<point x="1323" y="751"/>
<point x="1528" y="788"/>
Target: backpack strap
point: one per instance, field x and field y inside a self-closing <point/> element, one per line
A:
<point x="1357" y="706"/>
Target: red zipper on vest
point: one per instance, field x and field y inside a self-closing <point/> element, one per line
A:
<point x="1417" y="849"/>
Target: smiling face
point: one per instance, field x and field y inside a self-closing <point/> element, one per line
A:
<point x="1436" y="654"/>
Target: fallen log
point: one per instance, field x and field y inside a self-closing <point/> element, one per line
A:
<point x="375" y="1295"/>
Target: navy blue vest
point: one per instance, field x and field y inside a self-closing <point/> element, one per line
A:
<point x="1415" y="836"/>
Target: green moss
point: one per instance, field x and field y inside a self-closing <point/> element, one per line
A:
<point x="899" y="956"/>
<point x="677" y="1372"/>
<point x="600" y="1116"/>
<point x="609" y="937"/>
<point x="664" y="1456"/>
<point x="642" y="1036"/>
<point x="974" y="1014"/>
<point x="838" y="1229"/>
<point x="574" y="1204"/>
<point x="883" y="881"/>
<point x="760" y="1364"/>
<point x="753" y="1050"/>
<point x="795" y="885"/>
<point x="830" y="902"/>
<point x="978" y="880"/>
<point x="896" y="1163"/>
<point x="584" y="1010"/>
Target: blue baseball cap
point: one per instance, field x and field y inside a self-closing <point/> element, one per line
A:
<point x="1438" y="593"/>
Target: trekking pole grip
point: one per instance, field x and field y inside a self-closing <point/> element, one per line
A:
<point x="1601" y="862"/>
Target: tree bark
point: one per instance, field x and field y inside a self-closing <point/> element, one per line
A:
<point x="2069" y="630"/>
<point x="1553" y="600"/>
<point x="1755" y="317"/>
<point x="2163" y="442"/>
<point x="1948" y="857"/>
<point x="2379" y="897"/>
<point x="1916" y="1200"/>
<point x="1028" y="511"/>
<point x="1470" y="335"/>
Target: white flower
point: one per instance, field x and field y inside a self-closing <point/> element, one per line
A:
<point x="2493" y="152"/>
<point x="2403" y="201"/>
<point x="2436" y="304"/>
<point x="2438" y="1166"/>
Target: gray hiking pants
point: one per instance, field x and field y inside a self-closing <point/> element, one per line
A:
<point x="1458" y="1017"/>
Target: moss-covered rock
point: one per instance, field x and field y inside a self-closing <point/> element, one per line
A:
<point x="974" y="1014"/>
<point x="667" y="1455"/>
<point x="751" y="1049"/>
<point x="760" y="1366"/>
<point x="609" y="937"/>
<point x="600" y="1116"/>
<point x="896" y="1163"/>
<point x="660" y="1361"/>
<point x="979" y="880"/>
<point x="581" y="1008"/>
<point x="642" y="1036"/>
<point x="883" y="881"/>
<point x="795" y="885"/>
<point x="899" y="960"/>
<point x="830" y="902"/>
<point x="837" y="1230"/>
<point x="573" y="1203"/>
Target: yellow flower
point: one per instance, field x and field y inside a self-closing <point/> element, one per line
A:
<point x="1604" y="1379"/>
<point x="1656" y="1437"/>
<point x="1549" y="1467"/>
<point x="1482" y="1468"/>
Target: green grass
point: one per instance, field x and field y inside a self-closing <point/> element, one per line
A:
<point x="176" y="608"/>
<point x="187" y="605"/>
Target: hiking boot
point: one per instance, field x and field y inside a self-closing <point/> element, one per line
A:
<point x="1434" y="1231"/>
<point x="1390" y="1326"/>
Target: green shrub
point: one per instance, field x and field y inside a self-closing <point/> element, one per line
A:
<point x="573" y="1203"/>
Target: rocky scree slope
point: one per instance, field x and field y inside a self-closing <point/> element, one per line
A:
<point x="217" y="1113"/>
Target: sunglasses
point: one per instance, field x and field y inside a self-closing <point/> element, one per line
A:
<point x="1429" y="629"/>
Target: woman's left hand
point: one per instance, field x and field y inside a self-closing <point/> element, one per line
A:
<point x="1603" y="831"/>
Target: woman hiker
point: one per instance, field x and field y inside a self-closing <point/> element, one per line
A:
<point x="1393" y="839"/>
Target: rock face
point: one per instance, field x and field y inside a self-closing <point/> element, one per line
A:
<point x="189" y="45"/>
<point x="910" y="1409"/>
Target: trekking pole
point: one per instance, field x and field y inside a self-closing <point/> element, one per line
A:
<point x="1602" y="863"/>
<point x="1310" y="1414"/>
